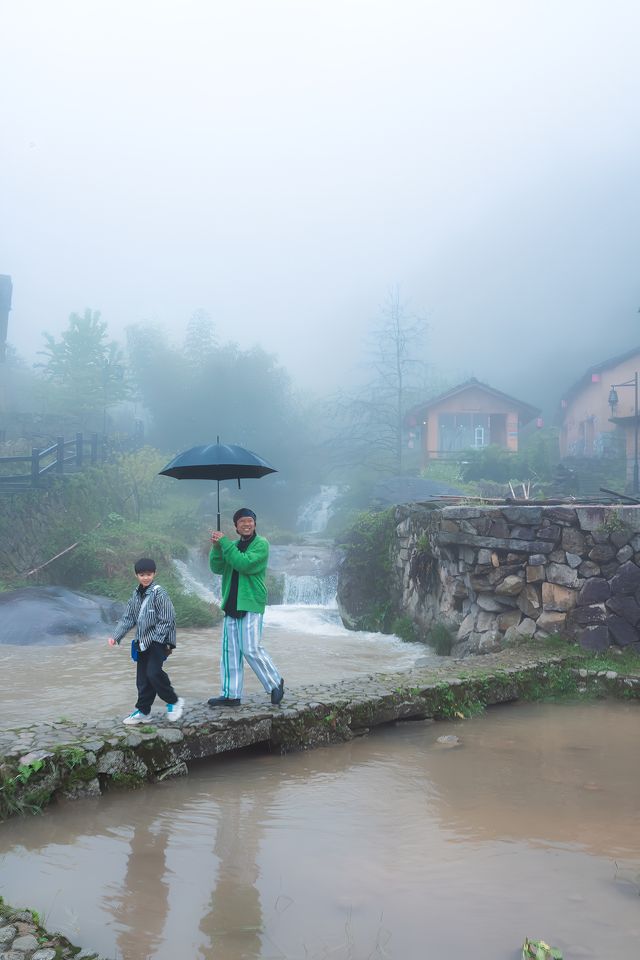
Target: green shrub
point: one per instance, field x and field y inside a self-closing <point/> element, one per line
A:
<point x="192" y="611"/>
<point x="404" y="628"/>
<point x="367" y="568"/>
<point x="439" y="637"/>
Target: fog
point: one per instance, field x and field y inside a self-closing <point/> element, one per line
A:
<point x="281" y="164"/>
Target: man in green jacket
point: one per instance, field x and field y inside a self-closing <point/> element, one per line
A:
<point x="243" y="565"/>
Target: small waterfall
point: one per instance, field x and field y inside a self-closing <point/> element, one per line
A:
<point x="309" y="591"/>
<point x="193" y="584"/>
<point x="314" y="516"/>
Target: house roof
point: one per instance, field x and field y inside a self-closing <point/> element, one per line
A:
<point x="525" y="410"/>
<point x="586" y="377"/>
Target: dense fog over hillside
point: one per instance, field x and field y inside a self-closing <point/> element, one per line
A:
<point x="283" y="165"/>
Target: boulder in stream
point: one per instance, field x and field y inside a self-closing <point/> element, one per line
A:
<point x="55" y="615"/>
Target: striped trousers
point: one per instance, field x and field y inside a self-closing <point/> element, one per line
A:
<point x="242" y="640"/>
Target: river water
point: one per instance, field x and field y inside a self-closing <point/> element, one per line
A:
<point x="88" y="679"/>
<point x="392" y="846"/>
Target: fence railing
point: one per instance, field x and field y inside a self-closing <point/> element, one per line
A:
<point x="61" y="458"/>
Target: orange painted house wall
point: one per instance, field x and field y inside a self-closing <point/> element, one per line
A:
<point x="585" y="419"/>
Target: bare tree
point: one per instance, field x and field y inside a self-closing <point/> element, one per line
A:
<point x="371" y="419"/>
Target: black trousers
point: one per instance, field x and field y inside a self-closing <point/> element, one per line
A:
<point x="151" y="678"/>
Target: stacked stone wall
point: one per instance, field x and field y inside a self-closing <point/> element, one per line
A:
<point x="496" y="575"/>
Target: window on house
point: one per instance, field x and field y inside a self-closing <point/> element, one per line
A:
<point x="460" y="431"/>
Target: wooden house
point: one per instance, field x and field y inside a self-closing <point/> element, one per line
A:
<point x="472" y="415"/>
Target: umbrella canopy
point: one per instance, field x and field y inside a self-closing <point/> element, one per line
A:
<point x="217" y="461"/>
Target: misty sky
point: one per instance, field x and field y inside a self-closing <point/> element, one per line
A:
<point x="282" y="163"/>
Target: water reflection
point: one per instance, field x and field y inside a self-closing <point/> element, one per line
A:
<point x="233" y="922"/>
<point x="144" y="882"/>
<point x="372" y="849"/>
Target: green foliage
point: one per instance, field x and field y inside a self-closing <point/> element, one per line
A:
<point x="86" y="368"/>
<point x="557" y="683"/>
<point x="26" y="770"/>
<point x="613" y="522"/>
<point x="404" y="628"/>
<point x="192" y="611"/>
<point x="539" y="950"/>
<point x="458" y="702"/>
<point x="139" y="473"/>
<point x="492" y="463"/>
<point x="200" y="390"/>
<point x="367" y="563"/>
<point x="440" y="638"/>
<point x="536" y="459"/>
<point x="73" y="756"/>
<point x="367" y="543"/>
<point x="14" y="800"/>
<point x="90" y="510"/>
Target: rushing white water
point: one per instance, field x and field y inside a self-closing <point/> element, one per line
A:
<point x="193" y="584"/>
<point x="308" y="590"/>
<point x="314" y="516"/>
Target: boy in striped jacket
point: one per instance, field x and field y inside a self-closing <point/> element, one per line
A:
<point x="151" y="612"/>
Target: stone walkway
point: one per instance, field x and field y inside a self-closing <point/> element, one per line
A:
<point x="46" y="761"/>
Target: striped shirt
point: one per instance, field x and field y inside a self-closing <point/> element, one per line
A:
<point x="152" y="613"/>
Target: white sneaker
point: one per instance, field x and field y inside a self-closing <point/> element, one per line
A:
<point x="175" y="710"/>
<point x="136" y="717"/>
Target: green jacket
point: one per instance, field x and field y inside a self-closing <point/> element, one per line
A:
<point x="252" y="567"/>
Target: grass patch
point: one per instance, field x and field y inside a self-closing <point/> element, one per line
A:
<point x="440" y="639"/>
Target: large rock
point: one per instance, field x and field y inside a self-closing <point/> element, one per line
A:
<point x="561" y="573"/>
<point x="529" y="601"/>
<point x="55" y="615"/>
<point x="510" y="586"/>
<point x="589" y="569"/>
<point x="552" y="621"/>
<point x="601" y="553"/>
<point x="625" y="607"/>
<point x="626" y="580"/>
<point x="573" y="540"/>
<point x="622" y="632"/>
<point x="550" y="532"/>
<point x="586" y="616"/>
<point x="522" y="515"/>
<point x="509" y="619"/>
<point x="595" y="590"/>
<point x="557" y="598"/>
<point x="595" y="638"/>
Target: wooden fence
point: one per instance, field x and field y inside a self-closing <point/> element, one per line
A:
<point x="62" y="458"/>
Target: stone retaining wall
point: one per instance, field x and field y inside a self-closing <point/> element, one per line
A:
<point x="497" y="575"/>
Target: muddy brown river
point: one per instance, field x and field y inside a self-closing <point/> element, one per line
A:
<point x="87" y="679"/>
<point x="392" y="846"/>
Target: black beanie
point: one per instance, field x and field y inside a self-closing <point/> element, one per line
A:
<point x="243" y="512"/>
<point x="145" y="565"/>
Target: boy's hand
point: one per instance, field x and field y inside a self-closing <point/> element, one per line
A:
<point x="216" y="536"/>
<point x="112" y="642"/>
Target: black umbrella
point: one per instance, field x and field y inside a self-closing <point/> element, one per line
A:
<point x="217" y="461"/>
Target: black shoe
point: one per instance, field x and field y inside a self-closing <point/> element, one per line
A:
<point x="223" y="702"/>
<point x="278" y="693"/>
